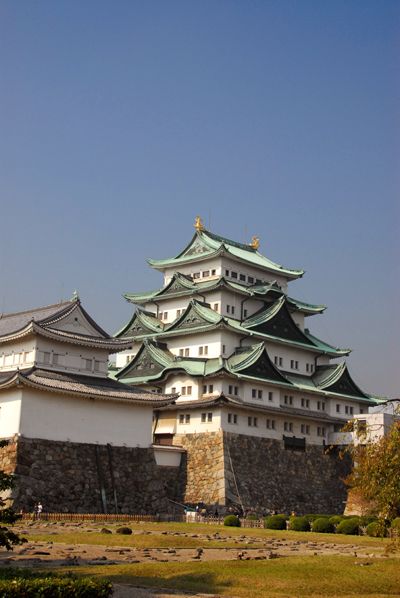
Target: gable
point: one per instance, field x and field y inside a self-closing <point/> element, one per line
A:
<point x="346" y="385"/>
<point x="282" y="326"/>
<point x="137" y="327"/>
<point x="75" y="322"/>
<point x="263" y="368"/>
<point x="141" y="366"/>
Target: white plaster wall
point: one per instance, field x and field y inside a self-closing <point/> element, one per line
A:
<point x="167" y="456"/>
<point x="287" y="353"/>
<point x="10" y="412"/>
<point x="241" y="268"/>
<point x="71" y="357"/>
<point x="196" y="426"/>
<point x="378" y="425"/>
<point x="18" y="354"/>
<point x="262" y="431"/>
<point x="192" y="342"/>
<point x="177" y="381"/>
<point x="358" y="407"/>
<point x="201" y="267"/>
<point x="54" y="416"/>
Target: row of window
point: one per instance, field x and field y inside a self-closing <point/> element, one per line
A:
<point x="184" y="418"/>
<point x="270" y="424"/>
<point x="348" y="409"/>
<point x="16" y="358"/>
<point x="234" y="390"/>
<point x="242" y="277"/>
<point x="294" y="364"/>
<point x="204" y="274"/>
<point x="185" y="352"/>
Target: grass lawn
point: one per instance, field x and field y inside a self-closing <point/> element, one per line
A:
<point x="287" y="577"/>
<point x="321" y="575"/>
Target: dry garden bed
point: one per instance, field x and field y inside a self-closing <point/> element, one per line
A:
<point x="210" y="559"/>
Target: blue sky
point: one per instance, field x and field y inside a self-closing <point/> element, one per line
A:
<point x="121" y="121"/>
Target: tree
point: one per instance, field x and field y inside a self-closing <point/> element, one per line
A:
<point x="376" y="471"/>
<point x="7" y="537"/>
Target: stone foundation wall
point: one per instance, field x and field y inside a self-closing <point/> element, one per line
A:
<point x="8" y="456"/>
<point x="268" y="477"/>
<point x="218" y="467"/>
<point x="202" y="476"/>
<point x="88" y="478"/>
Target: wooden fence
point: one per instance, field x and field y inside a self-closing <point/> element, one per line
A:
<point x="123" y="517"/>
<point x="100" y="517"/>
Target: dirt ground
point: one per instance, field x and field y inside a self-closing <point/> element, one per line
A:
<point x="41" y="554"/>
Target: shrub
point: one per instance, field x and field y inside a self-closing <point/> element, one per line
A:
<point x="336" y="519"/>
<point x="123" y="530"/>
<point x="21" y="584"/>
<point x="312" y="517"/>
<point x="375" y="530"/>
<point x="322" y="525"/>
<point x="104" y="530"/>
<point x="232" y="521"/>
<point x="275" y="522"/>
<point x="349" y="526"/>
<point x="299" y="524"/>
<point x="252" y="517"/>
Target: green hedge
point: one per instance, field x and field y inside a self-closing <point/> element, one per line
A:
<point x="322" y="525"/>
<point x="336" y="519"/>
<point x="349" y="527"/>
<point x="275" y="522"/>
<point x="26" y="584"/>
<point x="232" y="521"/>
<point x="299" y="524"/>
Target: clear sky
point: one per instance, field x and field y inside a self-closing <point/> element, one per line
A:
<point x="120" y="121"/>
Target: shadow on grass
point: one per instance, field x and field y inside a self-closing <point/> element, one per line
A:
<point x="187" y="582"/>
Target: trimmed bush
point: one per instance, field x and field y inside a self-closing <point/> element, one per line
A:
<point x="299" y="524"/>
<point x="322" y="525"/>
<point x="349" y="527"/>
<point x="21" y="584"/>
<point x="336" y="519"/>
<point x="312" y="517"/>
<point x="275" y="522"/>
<point x="124" y="530"/>
<point x="232" y="521"/>
<point x="105" y="530"/>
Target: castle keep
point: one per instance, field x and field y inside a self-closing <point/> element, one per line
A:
<point x="260" y="397"/>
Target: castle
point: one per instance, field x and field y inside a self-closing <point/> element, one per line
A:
<point x="260" y="397"/>
<point x="220" y="394"/>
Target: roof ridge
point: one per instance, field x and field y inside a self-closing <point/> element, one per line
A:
<point x="35" y="309"/>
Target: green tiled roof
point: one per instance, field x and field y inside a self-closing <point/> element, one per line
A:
<point x="181" y="286"/>
<point x="205" y="244"/>
<point x="199" y="318"/>
<point x="252" y="363"/>
<point x="141" y="320"/>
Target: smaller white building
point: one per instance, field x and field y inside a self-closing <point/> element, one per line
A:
<point x="54" y="383"/>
